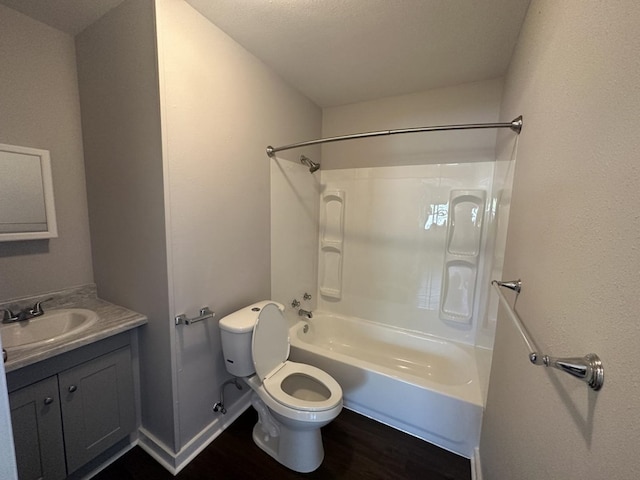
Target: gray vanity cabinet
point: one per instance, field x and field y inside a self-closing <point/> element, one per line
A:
<point x="37" y="431"/>
<point x="85" y="405"/>
<point x="97" y="406"/>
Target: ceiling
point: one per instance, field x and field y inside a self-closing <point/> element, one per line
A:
<point x="71" y="16"/>
<point x="345" y="51"/>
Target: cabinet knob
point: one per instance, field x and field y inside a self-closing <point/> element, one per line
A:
<point x="72" y="388"/>
<point x="48" y="400"/>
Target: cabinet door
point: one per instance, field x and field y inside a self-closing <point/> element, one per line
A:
<point x="97" y="406"/>
<point x="37" y="431"/>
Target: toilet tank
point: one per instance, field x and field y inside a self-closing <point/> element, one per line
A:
<point x="236" y="330"/>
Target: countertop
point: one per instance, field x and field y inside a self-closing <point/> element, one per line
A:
<point x="113" y="319"/>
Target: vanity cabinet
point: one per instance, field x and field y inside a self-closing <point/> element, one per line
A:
<point x="97" y="405"/>
<point x="62" y="422"/>
<point x="37" y="431"/>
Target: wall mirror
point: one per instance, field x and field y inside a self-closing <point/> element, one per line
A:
<point x="27" y="210"/>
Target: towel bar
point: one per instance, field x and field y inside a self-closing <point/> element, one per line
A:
<point x="589" y="368"/>
<point x="205" y="313"/>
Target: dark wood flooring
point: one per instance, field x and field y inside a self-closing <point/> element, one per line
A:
<point x="356" y="448"/>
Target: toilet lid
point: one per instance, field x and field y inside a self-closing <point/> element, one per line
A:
<point x="270" y="342"/>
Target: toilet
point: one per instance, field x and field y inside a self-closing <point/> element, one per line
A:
<point x="293" y="400"/>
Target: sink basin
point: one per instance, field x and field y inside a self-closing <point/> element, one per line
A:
<point x="48" y="328"/>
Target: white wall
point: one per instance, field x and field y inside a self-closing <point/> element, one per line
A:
<point x="40" y="108"/>
<point x="573" y="239"/>
<point x="221" y="107"/>
<point x="118" y="80"/>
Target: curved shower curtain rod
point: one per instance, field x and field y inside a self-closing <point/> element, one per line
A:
<point x="515" y="125"/>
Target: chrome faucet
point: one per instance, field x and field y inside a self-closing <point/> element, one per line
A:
<point x="8" y="316"/>
<point x="25" y="314"/>
<point x="305" y="313"/>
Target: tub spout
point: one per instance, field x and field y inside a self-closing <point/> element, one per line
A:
<point x="305" y="313"/>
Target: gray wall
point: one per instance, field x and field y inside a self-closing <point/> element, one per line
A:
<point x="179" y="208"/>
<point x="573" y="239"/>
<point x="221" y="107"/>
<point x="39" y="107"/>
<point x="118" y="80"/>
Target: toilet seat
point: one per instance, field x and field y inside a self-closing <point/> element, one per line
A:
<point x="273" y="386"/>
<point x="270" y="351"/>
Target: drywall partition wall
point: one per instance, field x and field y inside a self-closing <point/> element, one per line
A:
<point x="122" y="141"/>
<point x="573" y="237"/>
<point x="40" y="108"/>
<point x="469" y="103"/>
<point x="220" y="108"/>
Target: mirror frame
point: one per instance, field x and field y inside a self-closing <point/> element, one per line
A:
<point x="47" y="186"/>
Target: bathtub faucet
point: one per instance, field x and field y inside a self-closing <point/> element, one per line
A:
<point x="305" y="313"/>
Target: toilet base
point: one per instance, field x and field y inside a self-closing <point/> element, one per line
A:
<point x="299" y="450"/>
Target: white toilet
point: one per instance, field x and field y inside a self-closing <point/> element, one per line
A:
<point x="293" y="400"/>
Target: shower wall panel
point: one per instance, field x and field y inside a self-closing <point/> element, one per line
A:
<point x="400" y="250"/>
<point x="295" y="206"/>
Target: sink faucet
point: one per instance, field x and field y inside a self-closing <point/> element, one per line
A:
<point x="25" y="314"/>
<point x="305" y="313"/>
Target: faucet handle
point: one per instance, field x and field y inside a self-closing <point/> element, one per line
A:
<point x="8" y="315"/>
<point x="37" y="308"/>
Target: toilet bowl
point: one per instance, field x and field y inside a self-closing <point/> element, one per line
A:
<point x="293" y="400"/>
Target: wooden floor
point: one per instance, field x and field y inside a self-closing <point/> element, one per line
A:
<point x="356" y="447"/>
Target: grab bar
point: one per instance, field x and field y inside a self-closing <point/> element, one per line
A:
<point x="589" y="368"/>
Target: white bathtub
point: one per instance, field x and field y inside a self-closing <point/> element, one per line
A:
<point x="419" y="384"/>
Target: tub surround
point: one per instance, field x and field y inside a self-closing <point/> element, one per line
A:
<point x="113" y="320"/>
<point x="430" y="229"/>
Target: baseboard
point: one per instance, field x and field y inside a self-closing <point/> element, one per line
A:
<point x="174" y="462"/>
<point x="105" y="459"/>
<point x="160" y="452"/>
<point x="476" y="466"/>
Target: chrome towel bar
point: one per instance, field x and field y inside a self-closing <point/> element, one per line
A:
<point x="589" y="368"/>
<point x="205" y="313"/>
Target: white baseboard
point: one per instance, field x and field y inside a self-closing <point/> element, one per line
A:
<point x="476" y="466"/>
<point x="116" y="456"/>
<point x="174" y="462"/>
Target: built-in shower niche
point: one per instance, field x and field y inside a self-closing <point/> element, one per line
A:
<point x="331" y="243"/>
<point x="464" y="238"/>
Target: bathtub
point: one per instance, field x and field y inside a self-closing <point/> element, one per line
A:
<point x="422" y="385"/>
